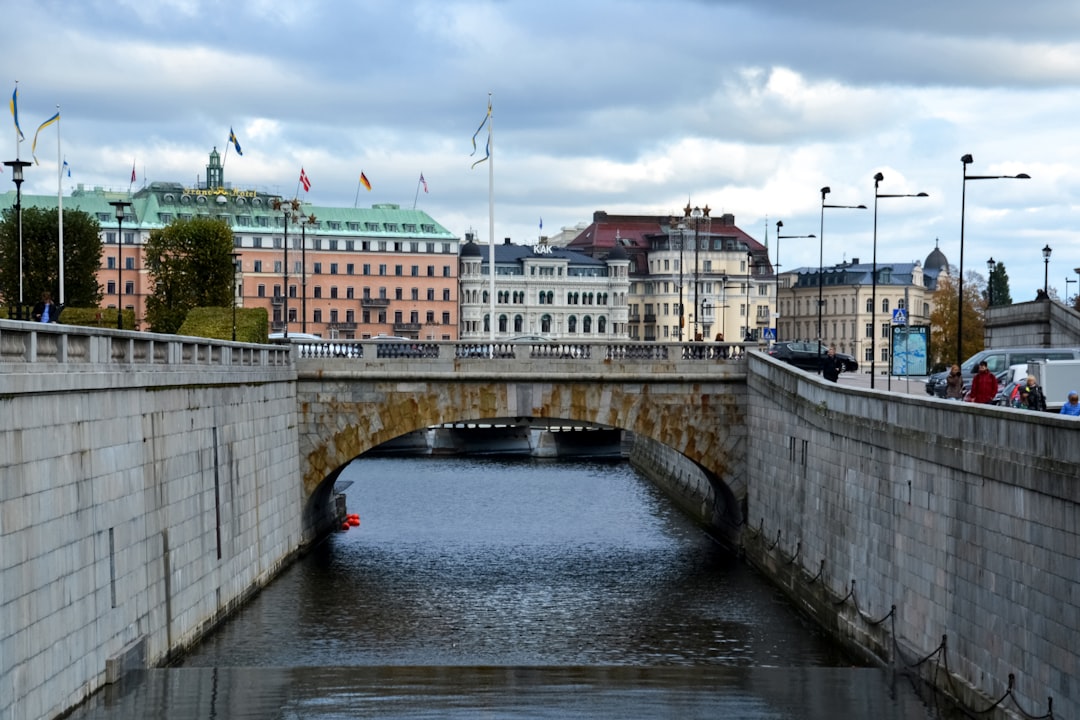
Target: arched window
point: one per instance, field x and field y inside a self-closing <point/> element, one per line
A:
<point x="586" y="324"/>
<point x="571" y="324"/>
<point x="884" y="305"/>
<point x="601" y="325"/>
<point x="869" y="305"/>
<point x="485" y="296"/>
<point x="519" y="324"/>
<point x="502" y="323"/>
<point x="901" y="304"/>
<point x="545" y="323"/>
<point x="551" y="297"/>
<point x="487" y="323"/>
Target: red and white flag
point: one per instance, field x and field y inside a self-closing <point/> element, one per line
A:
<point x="132" y="171"/>
<point x="423" y="181"/>
<point x="304" y="180"/>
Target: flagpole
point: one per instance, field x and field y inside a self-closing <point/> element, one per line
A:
<point x="356" y="201"/>
<point x="60" y="204"/>
<point x="415" y="196"/>
<point x="491" y="214"/>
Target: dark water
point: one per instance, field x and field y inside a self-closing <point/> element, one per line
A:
<point x="513" y="589"/>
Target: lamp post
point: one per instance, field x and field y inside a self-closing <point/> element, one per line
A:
<point x="779" y="237"/>
<point x="749" y="263"/>
<point x="990" y="282"/>
<point x="967" y="160"/>
<point x="878" y="177"/>
<point x="1068" y="281"/>
<point x="237" y="270"/>
<point x="821" y="257"/>
<point x="1046" y="269"/>
<point x="17" y="176"/>
<point x="696" y="214"/>
<point x="120" y="206"/>
<point x="287" y="207"/>
<point x="305" y="220"/>
<point x="682" y="244"/>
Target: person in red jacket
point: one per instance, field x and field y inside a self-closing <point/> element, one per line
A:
<point x="984" y="385"/>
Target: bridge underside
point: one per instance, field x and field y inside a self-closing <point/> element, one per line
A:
<point x="341" y="419"/>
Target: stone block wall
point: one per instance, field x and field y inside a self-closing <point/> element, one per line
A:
<point x="965" y="518"/>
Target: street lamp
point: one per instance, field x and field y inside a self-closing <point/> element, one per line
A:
<point x="779" y="237"/>
<point x="305" y="220"/>
<point x="1046" y="268"/>
<point x="696" y="215"/>
<point x="237" y="270"/>
<point x="878" y="177"/>
<point x="821" y="257"/>
<point x="749" y="263"/>
<point x="17" y="176"/>
<point x="967" y="160"/>
<point x="287" y="207"/>
<point x="120" y="206"/>
<point x="990" y="282"/>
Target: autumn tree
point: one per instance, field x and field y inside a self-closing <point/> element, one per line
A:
<point x="190" y="266"/>
<point x="943" y="319"/>
<point x="41" y="256"/>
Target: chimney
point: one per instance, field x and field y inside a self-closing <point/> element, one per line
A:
<point x="506" y="241"/>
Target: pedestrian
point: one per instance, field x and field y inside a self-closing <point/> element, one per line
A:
<point x="1030" y="396"/>
<point x="45" y="311"/>
<point x="984" y="386"/>
<point x="1072" y="407"/>
<point x="954" y="384"/>
<point x="831" y="365"/>
<point x="720" y="352"/>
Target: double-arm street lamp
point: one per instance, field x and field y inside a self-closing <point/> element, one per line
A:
<point x="287" y="208"/>
<point x="821" y="256"/>
<point x="17" y="176"/>
<point x="776" y="268"/>
<point x="878" y="177"/>
<point x="1046" y="269"/>
<point x="967" y="160"/>
<point x="120" y="206"/>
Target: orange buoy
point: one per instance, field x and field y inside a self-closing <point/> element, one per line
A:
<point x="345" y="526"/>
<point x="354" y="521"/>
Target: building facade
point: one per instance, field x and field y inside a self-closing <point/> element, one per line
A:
<point x="691" y="276"/>
<point x="542" y="290"/>
<point x="333" y="272"/>
<point x="849" y="318"/>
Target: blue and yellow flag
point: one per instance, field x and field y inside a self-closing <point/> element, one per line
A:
<point x="42" y="126"/>
<point x="487" y="147"/>
<point x="15" y="111"/>
<point x="235" y="142"/>
<point x="67" y="168"/>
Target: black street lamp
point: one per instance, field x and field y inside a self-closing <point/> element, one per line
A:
<point x="1046" y="269"/>
<point x="17" y="176"/>
<point x="238" y="269"/>
<point x="821" y="258"/>
<point x="120" y="206"/>
<point x="749" y="263"/>
<point x="776" y="269"/>
<point x="697" y="215"/>
<point x="990" y="282"/>
<point x="305" y="220"/>
<point x="878" y="177"/>
<point x="287" y="207"/>
<point x="967" y="160"/>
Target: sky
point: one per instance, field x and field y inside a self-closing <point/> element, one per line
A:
<point x="629" y="106"/>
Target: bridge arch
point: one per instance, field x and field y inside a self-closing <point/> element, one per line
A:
<point x="701" y="418"/>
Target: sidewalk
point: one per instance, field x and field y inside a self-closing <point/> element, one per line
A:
<point x="914" y="385"/>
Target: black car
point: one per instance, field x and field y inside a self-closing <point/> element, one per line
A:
<point x="807" y="355"/>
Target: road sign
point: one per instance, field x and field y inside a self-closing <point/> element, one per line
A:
<point x="768" y="333"/>
<point x="899" y="316"/>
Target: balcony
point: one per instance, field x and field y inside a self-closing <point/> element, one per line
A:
<point x="341" y="326"/>
<point x="277" y="300"/>
<point x="402" y="328"/>
<point x="374" y="302"/>
<point x="650" y="319"/>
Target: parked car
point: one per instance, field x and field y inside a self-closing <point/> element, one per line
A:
<point x="998" y="360"/>
<point x="807" y="355"/>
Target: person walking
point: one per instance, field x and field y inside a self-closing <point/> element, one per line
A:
<point x="1030" y="396"/>
<point x="45" y="311"/>
<point x="831" y="365"/>
<point x="1072" y="405"/>
<point x="954" y="384"/>
<point x="984" y="386"/>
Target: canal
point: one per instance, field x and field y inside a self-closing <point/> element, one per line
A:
<point x="513" y="588"/>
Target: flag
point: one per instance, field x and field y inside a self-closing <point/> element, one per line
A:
<point x="487" y="147"/>
<point x="67" y="168"/>
<point x="42" y="126"/>
<point x="235" y="142"/>
<point x="15" y="111"/>
<point x="422" y="182"/>
<point x="364" y="181"/>
<point x="304" y="180"/>
<point x="132" y="171"/>
<point x="541" y="223"/>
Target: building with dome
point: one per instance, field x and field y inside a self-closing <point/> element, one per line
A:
<point x="542" y="290"/>
<point x="848" y="319"/>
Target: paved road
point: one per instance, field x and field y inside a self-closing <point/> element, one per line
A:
<point x="915" y="385"/>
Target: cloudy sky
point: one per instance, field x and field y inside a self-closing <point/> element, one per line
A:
<point x="629" y="107"/>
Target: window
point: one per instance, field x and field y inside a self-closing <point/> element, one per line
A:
<point x="446" y="318"/>
<point x="398" y="294"/>
<point x="869" y="306"/>
<point x="315" y="317"/>
<point x="382" y="269"/>
<point x="110" y="263"/>
<point x="398" y="270"/>
<point x="414" y="293"/>
<point x="258" y="266"/>
<point x="446" y="271"/>
<point x="350" y="269"/>
<point x="333" y="293"/>
<point x="317" y="292"/>
<point x="415" y="270"/>
<point x="884" y="305"/>
<point x="431" y="294"/>
<point x="431" y="270"/>
<point x="885" y="330"/>
<point x="317" y="269"/>
<point x="129" y="288"/>
<point x="333" y="268"/>
<point x="367" y="269"/>
<point x="446" y="294"/>
<point x="869" y="331"/>
<point x="261" y="291"/>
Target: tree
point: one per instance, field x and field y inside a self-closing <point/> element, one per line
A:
<point x="943" y="319"/>
<point x="997" y="286"/>
<point x="190" y="266"/>
<point x="41" y="256"/>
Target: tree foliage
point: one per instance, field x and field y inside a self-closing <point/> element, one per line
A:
<point x="190" y="266"/>
<point x="997" y="287"/>
<point x="41" y="256"/>
<point x="943" y="319"/>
